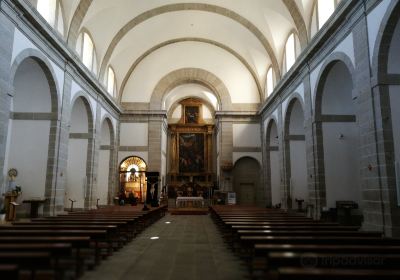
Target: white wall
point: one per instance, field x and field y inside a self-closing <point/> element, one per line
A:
<point x="374" y="19"/>
<point x="105" y="134"/>
<point x="394" y="53"/>
<point x="76" y="172"/>
<point x="29" y="155"/>
<point x="102" y="177"/>
<point x="32" y="93"/>
<point x="341" y="160"/>
<point x="101" y="191"/>
<point x="134" y="134"/>
<point x="275" y="177"/>
<point x="341" y="154"/>
<point x="296" y="124"/>
<point x="298" y="169"/>
<point x="337" y="92"/>
<point x="274" y="166"/>
<point x="298" y="161"/>
<point x="79" y="118"/>
<point x="246" y="135"/>
<point x="177" y="114"/>
<point x="395" y="113"/>
<point x="77" y="156"/>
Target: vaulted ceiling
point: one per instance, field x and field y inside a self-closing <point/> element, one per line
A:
<point x="145" y="40"/>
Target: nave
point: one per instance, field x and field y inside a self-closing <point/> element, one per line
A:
<point x="189" y="247"/>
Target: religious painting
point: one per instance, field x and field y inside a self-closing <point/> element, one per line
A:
<point x="191" y="152"/>
<point x="191" y="114"/>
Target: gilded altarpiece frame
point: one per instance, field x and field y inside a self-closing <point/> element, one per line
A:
<point x="191" y="147"/>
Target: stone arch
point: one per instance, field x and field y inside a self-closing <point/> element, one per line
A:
<point x="107" y="117"/>
<point x="323" y="73"/>
<point x="191" y="75"/>
<point x="298" y="21"/>
<point x="176" y="104"/>
<point x="86" y="100"/>
<point x="105" y="178"/>
<point x="80" y="152"/>
<point x="246" y="181"/>
<point x="43" y="129"/>
<point x="190" y="39"/>
<point x="295" y="161"/>
<point x="47" y="69"/>
<point x="131" y="156"/>
<point x="273" y="176"/>
<point x="383" y="42"/>
<point x="385" y="83"/>
<point x="76" y="21"/>
<point x="337" y="135"/>
<point x="292" y="98"/>
<point x="134" y="186"/>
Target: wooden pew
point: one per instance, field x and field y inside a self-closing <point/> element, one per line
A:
<point x="80" y="231"/>
<point x="9" y="271"/>
<point x="295" y="273"/>
<point x="282" y="240"/>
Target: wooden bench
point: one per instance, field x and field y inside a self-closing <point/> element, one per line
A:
<point x="280" y="243"/>
<point x="295" y="273"/>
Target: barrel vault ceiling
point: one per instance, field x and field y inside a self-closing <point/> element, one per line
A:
<point x="145" y="40"/>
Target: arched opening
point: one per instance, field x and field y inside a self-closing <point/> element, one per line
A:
<point x="79" y="155"/>
<point x="339" y="142"/>
<point x="273" y="170"/>
<point x="393" y="68"/>
<point x="295" y="153"/>
<point x="190" y="138"/>
<point x="132" y="177"/>
<point x="246" y="180"/>
<point x="33" y="113"/>
<point x="104" y="183"/>
<point x="269" y="82"/>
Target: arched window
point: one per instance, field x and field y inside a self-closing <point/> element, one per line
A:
<point x="51" y="11"/>
<point x="323" y="9"/>
<point x="111" y="83"/>
<point x="86" y="49"/>
<point x="290" y="52"/>
<point x="270" y="81"/>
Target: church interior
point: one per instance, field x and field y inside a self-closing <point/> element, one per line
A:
<point x="226" y="139"/>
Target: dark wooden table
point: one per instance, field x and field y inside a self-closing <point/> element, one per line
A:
<point x="35" y="203"/>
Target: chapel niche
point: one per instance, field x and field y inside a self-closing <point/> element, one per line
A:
<point x="190" y="169"/>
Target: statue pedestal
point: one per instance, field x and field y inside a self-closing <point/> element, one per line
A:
<point x="10" y="205"/>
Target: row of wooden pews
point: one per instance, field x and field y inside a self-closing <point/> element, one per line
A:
<point x="280" y="245"/>
<point x="64" y="246"/>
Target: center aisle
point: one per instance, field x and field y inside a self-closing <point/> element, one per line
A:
<point x="189" y="247"/>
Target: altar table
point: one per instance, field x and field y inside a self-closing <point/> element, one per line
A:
<point x="187" y="201"/>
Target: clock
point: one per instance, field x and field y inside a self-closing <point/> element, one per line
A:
<point x="13" y="172"/>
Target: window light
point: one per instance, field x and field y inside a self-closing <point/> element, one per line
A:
<point x="290" y="52"/>
<point x="111" y="81"/>
<point x="47" y="8"/>
<point x="325" y="10"/>
<point x="270" y="81"/>
<point x="87" y="51"/>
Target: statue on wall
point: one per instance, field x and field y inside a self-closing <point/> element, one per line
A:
<point x="12" y="175"/>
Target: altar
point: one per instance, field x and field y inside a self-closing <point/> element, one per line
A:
<point x="189" y="201"/>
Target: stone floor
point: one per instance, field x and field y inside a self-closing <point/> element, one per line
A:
<point x="189" y="247"/>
